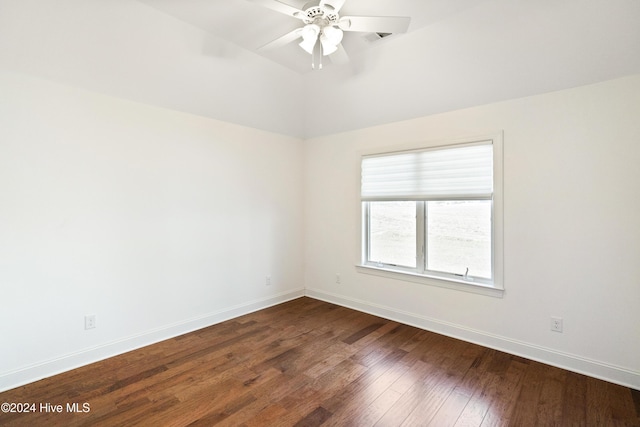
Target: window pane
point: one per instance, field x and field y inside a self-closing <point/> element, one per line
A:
<point x="392" y="231"/>
<point x="459" y="237"/>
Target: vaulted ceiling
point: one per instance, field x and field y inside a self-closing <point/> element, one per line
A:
<point x="203" y="56"/>
<point x="251" y="26"/>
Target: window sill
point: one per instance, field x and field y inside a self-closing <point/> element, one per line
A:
<point x="461" y="285"/>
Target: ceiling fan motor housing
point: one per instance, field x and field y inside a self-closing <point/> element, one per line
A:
<point x="320" y="15"/>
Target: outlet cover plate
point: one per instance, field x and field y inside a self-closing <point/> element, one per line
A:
<point x="556" y="324"/>
<point x="90" y="321"/>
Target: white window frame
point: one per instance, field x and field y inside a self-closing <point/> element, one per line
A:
<point x="494" y="286"/>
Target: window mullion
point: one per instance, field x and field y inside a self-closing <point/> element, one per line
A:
<point x="421" y="245"/>
<point x="367" y="231"/>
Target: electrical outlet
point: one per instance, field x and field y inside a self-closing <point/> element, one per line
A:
<point x="90" y="321"/>
<point x="556" y="324"/>
<point x="337" y="277"/>
<point x="267" y="280"/>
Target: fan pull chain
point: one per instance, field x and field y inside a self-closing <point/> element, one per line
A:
<point x="316" y="57"/>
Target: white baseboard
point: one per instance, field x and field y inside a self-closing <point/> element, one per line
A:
<point x="29" y="374"/>
<point x="570" y="362"/>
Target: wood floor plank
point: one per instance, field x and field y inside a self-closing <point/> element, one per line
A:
<point x="574" y="407"/>
<point x="598" y="413"/>
<point x="374" y="391"/>
<point x="440" y="387"/>
<point x="622" y="409"/>
<point x="525" y="411"/>
<point x="309" y="363"/>
<point x="375" y="411"/>
<point x="414" y="390"/>
<point x="549" y="408"/>
<point x="367" y="388"/>
<point x="504" y="391"/>
<point x="635" y="395"/>
<point x="451" y="409"/>
<point x="475" y="382"/>
<point x="362" y="333"/>
<point x="315" y="418"/>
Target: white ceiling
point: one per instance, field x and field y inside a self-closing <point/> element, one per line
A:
<point x="201" y="56"/>
<point x="251" y="26"/>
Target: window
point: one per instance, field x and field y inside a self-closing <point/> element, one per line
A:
<point x="434" y="214"/>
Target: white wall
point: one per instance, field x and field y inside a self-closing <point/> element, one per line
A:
<point x="572" y="235"/>
<point x="156" y="221"/>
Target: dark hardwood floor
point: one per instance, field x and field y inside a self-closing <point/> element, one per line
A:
<point x="309" y="363"/>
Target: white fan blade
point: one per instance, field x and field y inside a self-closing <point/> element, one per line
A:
<point x="335" y="4"/>
<point x="375" y="24"/>
<point x="278" y="6"/>
<point x="284" y="40"/>
<point x="339" y="57"/>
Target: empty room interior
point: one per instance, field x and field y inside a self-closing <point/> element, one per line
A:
<point x="360" y="212"/>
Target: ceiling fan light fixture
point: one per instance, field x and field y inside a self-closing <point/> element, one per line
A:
<point x="309" y="37"/>
<point x="327" y="47"/>
<point x="330" y="39"/>
<point x="333" y="35"/>
<point x="308" y="45"/>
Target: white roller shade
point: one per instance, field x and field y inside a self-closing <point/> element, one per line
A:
<point x="463" y="172"/>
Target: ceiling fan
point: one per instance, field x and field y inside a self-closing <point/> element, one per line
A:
<point x="324" y="28"/>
